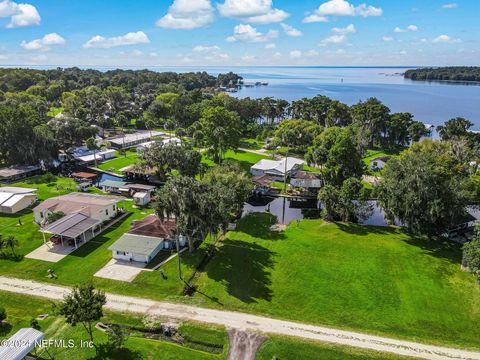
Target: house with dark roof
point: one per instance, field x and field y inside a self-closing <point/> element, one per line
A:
<point x="307" y="180"/>
<point x="145" y="239"/>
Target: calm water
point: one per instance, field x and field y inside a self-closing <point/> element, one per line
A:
<point x="287" y="211"/>
<point x="432" y="102"/>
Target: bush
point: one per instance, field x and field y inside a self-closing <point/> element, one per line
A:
<point x="3" y="314"/>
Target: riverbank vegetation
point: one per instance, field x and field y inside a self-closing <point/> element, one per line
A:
<point x="449" y="73"/>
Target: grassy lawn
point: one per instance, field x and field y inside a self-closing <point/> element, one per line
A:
<point x="372" y="154"/>
<point x="288" y="348"/>
<point x="54" y="111"/>
<point x="371" y="279"/>
<point x="244" y="158"/>
<point x="252" y="144"/>
<point x="21" y="309"/>
<point x="120" y="162"/>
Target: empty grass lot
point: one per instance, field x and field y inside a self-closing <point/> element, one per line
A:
<point x="121" y="161"/>
<point x="370" y="279"/>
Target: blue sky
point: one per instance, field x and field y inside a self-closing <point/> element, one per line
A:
<point x="239" y="32"/>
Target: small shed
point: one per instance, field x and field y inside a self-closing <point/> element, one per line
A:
<point x="141" y="198"/>
<point x="132" y="247"/>
<point x="22" y="343"/>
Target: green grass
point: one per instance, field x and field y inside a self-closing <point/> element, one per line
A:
<point x="372" y="154"/>
<point x="21" y="309"/>
<point x="290" y="349"/>
<point x="244" y="158"/>
<point x="120" y="162"/>
<point x="371" y="279"/>
<point x="252" y="144"/>
<point x="54" y="111"/>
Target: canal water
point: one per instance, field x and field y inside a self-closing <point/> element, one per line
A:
<point x="287" y="210"/>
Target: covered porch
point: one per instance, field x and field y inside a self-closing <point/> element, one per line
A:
<point x="72" y="230"/>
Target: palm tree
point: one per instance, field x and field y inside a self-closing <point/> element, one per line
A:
<point x="11" y="242"/>
<point x="92" y="145"/>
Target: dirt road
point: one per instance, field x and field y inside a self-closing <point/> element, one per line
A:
<point x="248" y="322"/>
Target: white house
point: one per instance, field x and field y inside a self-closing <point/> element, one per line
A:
<point x="15" y="199"/>
<point x="379" y="162"/>
<point x="307" y="180"/>
<point x="98" y="207"/>
<point x="145" y="240"/>
<point x="277" y="168"/>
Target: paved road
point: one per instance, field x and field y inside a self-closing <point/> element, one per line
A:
<point x="249" y="322"/>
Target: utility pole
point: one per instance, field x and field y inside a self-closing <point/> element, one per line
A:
<point x="178" y="256"/>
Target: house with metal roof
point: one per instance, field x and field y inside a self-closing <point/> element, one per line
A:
<point x="15" y="199"/>
<point x="83" y="216"/>
<point x="277" y="168"/>
<point x="20" y="344"/>
<point x="132" y="140"/>
<point x="19" y="172"/>
<point x="307" y="180"/>
<point x="145" y="239"/>
<point x="112" y="186"/>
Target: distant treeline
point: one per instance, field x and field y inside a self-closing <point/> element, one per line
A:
<point x="452" y="73"/>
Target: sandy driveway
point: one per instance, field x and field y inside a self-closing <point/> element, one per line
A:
<point x="242" y="321"/>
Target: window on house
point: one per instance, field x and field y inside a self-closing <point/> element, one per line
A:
<point x="106" y="212"/>
<point x="41" y="215"/>
<point x="121" y="253"/>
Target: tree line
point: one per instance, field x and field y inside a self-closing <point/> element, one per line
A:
<point x="451" y="73"/>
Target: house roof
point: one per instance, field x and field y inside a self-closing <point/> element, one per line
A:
<point x="72" y="225"/>
<point x="137" y="170"/>
<point x="12" y="200"/>
<point x="113" y="183"/>
<point x="277" y="166"/>
<point x="152" y="225"/>
<point x="20" y="344"/>
<point x="307" y="175"/>
<point x="140" y="187"/>
<point x="136" y="244"/>
<point x="16" y="190"/>
<point x="384" y="158"/>
<point x="140" y="195"/>
<point x="137" y="136"/>
<point x="17" y="170"/>
<point x="84" y="175"/>
<point x="77" y="202"/>
<point x="263" y="180"/>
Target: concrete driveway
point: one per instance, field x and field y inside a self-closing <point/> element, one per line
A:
<point x="120" y="270"/>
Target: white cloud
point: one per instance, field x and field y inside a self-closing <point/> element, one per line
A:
<point x="403" y="52"/>
<point x="445" y="39"/>
<point x="187" y="15"/>
<point x="296" y="54"/>
<point x="409" y="28"/>
<point x="340" y="52"/>
<point x="350" y="29"/>
<point x="20" y="15"/>
<point x="339" y="35"/>
<point x="341" y="8"/>
<point x="3" y="57"/>
<point x="247" y="33"/>
<point x="249" y="58"/>
<point x="387" y="38"/>
<point x="131" y="38"/>
<point x="334" y="39"/>
<point x="270" y="46"/>
<point x="205" y="49"/>
<point x="290" y="30"/>
<point x="252" y="11"/>
<point x="312" y="53"/>
<point x="450" y="6"/>
<point x="43" y="43"/>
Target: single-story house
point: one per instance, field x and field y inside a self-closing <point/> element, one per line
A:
<point x="99" y="207"/>
<point x="20" y="344"/>
<point x="112" y="186"/>
<point x="307" y="180"/>
<point x="277" y="168"/>
<point x="15" y="199"/>
<point x="137" y="173"/>
<point x="18" y="172"/>
<point x="86" y="156"/>
<point x="145" y="239"/>
<point x="134" y="139"/>
<point x="133" y="188"/>
<point x="379" y="162"/>
<point x="148" y="144"/>
<point x="84" y="216"/>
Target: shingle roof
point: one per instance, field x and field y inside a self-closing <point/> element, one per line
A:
<point x="137" y="244"/>
<point x="75" y="202"/>
<point x="306" y="175"/>
<point x="152" y="225"/>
